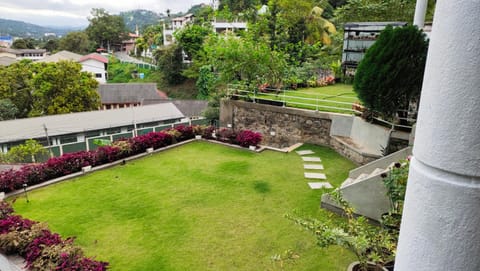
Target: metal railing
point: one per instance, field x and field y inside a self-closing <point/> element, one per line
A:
<point x="317" y="102"/>
<point x="289" y="98"/>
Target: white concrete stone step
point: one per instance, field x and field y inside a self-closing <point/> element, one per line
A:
<point x="320" y="185"/>
<point x="305" y="152"/>
<point x="361" y="177"/>
<point x="377" y="172"/>
<point x="313" y="166"/>
<point x="347" y="182"/>
<point x="311" y="175"/>
<point x="311" y="159"/>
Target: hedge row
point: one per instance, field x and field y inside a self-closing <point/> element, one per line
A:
<point x="42" y="249"/>
<point x="69" y="163"/>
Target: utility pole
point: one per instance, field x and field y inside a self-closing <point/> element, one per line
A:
<point x="48" y="140"/>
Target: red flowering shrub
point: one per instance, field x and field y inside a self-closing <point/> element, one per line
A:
<point x="186" y="132"/>
<point x="14" y="223"/>
<point x="108" y="154"/>
<point x="247" y="138"/>
<point x="42" y="249"/>
<point x="208" y="131"/>
<point x="154" y="140"/>
<point x="34" y="249"/>
<point x="69" y="262"/>
<point x="227" y="135"/>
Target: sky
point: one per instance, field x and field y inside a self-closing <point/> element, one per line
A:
<point x="75" y="12"/>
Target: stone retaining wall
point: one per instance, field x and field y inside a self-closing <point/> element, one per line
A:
<point x="282" y="127"/>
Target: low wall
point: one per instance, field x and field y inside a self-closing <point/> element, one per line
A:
<point x="282" y="127"/>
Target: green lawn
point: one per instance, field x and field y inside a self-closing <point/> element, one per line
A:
<point x="320" y="98"/>
<point x="200" y="206"/>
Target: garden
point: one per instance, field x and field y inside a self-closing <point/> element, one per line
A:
<point x="200" y="206"/>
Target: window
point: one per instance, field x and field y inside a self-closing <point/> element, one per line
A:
<point x="114" y="131"/>
<point x="68" y="139"/>
<point x="92" y="133"/>
<point x="98" y="75"/>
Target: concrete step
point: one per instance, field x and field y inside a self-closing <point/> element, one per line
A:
<point x="320" y="185"/>
<point x="310" y="175"/>
<point x="311" y="159"/>
<point x="305" y="152"/>
<point x="313" y="166"/>
<point x="361" y="177"/>
<point x="377" y="172"/>
<point x="347" y="182"/>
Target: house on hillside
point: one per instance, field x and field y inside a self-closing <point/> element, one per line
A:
<point x="77" y="131"/>
<point x="95" y="64"/>
<point x="358" y="37"/>
<point x="129" y="45"/>
<point x="129" y="95"/>
<point x="19" y="54"/>
<point x="6" y="41"/>
<point x="177" y="23"/>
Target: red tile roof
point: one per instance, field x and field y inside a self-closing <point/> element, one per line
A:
<point x="94" y="56"/>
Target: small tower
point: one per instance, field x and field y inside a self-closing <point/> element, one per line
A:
<point x="136" y="30"/>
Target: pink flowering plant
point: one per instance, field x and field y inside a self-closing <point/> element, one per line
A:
<point x="247" y="138"/>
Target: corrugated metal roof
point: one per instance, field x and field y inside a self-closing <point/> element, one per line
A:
<point x="62" y="55"/>
<point x="189" y="108"/>
<point x="22" y="129"/>
<point x="128" y="93"/>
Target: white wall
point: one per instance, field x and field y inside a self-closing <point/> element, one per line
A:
<point x="95" y="67"/>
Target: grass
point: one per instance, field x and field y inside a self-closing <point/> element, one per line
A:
<point x="201" y="206"/>
<point x="320" y="98"/>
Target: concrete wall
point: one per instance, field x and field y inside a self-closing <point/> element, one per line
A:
<point x="282" y="127"/>
<point x="372" y="137"/>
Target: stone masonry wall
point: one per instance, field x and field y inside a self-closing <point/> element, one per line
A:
<point x="281" y="127"/>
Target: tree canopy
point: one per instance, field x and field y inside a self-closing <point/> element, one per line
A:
<point x="34" y="89"/>
<point x="105" y="29"/>
<point x="77" y="42"/>
<point x="391" y="73"/>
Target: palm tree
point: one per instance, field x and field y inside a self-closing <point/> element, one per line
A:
<point x="319" y="28"/>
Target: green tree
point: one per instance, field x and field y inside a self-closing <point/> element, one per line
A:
<point x="23" y="44"/>
<point x="191" y="38"/>
<point x="170" y="61"/>
<point x="391" y="73"/>
<point x="15" y="85"/>
<point x="63" y="88"/>
<point x="77" y="42"/>
<point x="319" y="29"/>
<point x="105" y="29"/>
<point x="26" y="152"/>
<point x="206" y="82"/>
<point x="235" y="59"/>
<point x="7" y="110"/>
<point x="376" y="10"/>
<point x="51" y="45"/>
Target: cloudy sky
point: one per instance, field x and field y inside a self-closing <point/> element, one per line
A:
<point x="75" y="12"/>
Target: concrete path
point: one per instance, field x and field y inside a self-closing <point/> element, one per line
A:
<point x="313" y="166"/>
<point x="305" y="152"/>
<point x="311" y="175"/>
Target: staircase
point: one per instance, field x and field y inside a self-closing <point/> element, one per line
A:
<point x="364" y="189"/>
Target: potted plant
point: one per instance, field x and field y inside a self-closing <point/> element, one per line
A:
<point x="373" y="246"/>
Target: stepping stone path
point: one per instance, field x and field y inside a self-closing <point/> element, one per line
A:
<point x="313" y="166"/>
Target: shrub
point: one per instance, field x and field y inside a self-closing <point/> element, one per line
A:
<point x="208" y="131"/>
<point x="186" y="132"/>
<point x="227" y="135"/>
<point x="247" y="138"/>
<point x="42" y="249"/>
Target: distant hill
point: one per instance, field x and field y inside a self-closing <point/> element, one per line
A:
<point x="23" y="29"/>
<point x="141" y="17"/>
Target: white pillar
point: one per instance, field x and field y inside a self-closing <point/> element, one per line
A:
<point x="420" y="12"/>
<point x="441" y="219"/>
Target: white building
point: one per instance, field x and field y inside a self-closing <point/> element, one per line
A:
<point x="95" y="64"/>
<point x="177" y="23"/>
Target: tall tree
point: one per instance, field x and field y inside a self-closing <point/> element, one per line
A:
<point x="15" y="85"/>
<point x="63" y="88"/>
<point x="376" y="10"/>
<point x="51" y="45"/>
<point x="319" y="29"/>
<point x="191" y="38"/>
<point x="77" y="42"/>
<point x="170" y="61"/>
<point x="23" y="44"/>
<point x="105" y="29"/>
<point x="390" y="75"/>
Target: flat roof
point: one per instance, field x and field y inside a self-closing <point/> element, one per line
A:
<point x="23" y="129"/>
